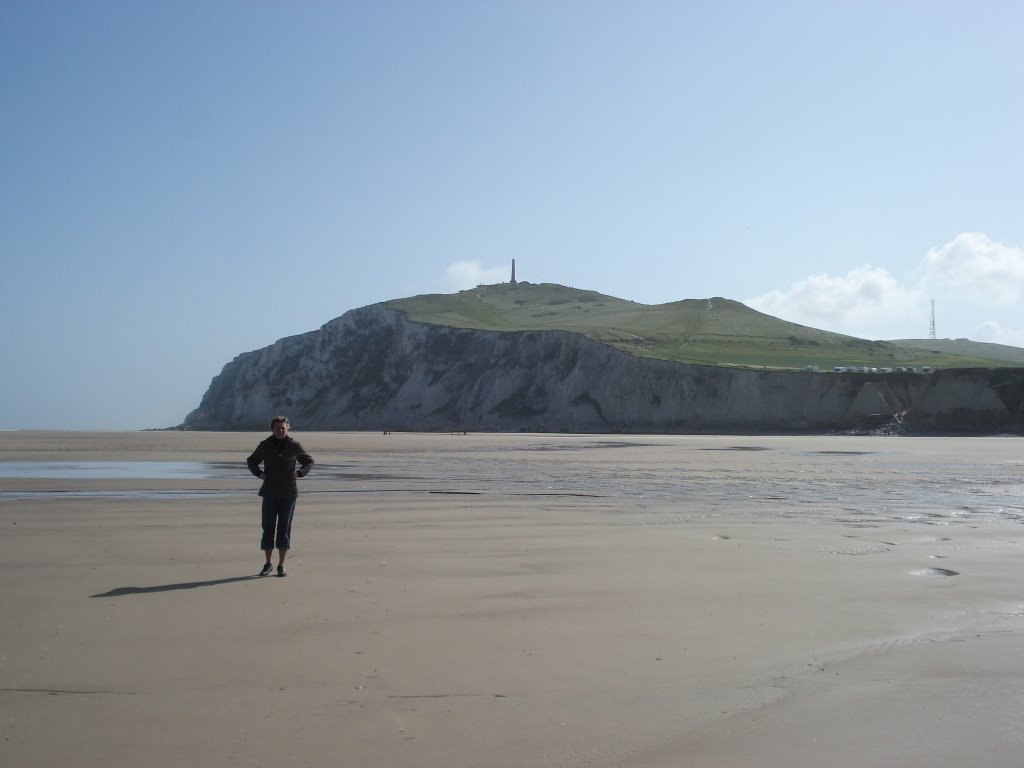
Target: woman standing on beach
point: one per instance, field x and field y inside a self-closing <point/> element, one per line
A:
<point x="279" y="461"/>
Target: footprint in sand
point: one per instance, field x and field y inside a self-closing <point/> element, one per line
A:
<point x="934" y="572"/>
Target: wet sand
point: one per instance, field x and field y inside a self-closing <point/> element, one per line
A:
<point x="467" y="601"/>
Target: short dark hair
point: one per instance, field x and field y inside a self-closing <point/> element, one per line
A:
<point x="279" y="420"/>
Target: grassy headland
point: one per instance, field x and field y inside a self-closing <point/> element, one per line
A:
<point x="713" y="331"/>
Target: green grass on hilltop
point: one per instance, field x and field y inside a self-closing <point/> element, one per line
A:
<point x="714" y="331"/>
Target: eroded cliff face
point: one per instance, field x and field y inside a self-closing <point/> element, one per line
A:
<point x="372" y="369"/>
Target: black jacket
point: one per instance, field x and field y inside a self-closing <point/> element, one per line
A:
<point x="278" y="465"/>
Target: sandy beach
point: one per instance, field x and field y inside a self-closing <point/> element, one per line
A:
<point x="501" y="601"/>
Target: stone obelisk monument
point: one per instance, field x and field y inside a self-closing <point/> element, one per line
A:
<point x="513" y="280"/>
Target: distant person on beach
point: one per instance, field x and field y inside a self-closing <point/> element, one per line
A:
<point x="279" y="461"/>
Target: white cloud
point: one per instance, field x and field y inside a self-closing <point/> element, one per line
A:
<point x="463" y="275"/>
<point x="864" y="302"/>
<point x="993" y="332"/>
<point x="976" y="283"/>
<point x="975" y="268"/>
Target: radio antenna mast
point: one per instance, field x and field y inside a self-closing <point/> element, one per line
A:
<point x="931" y="326"/>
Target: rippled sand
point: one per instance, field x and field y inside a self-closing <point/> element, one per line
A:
<point x="519" y="600"/>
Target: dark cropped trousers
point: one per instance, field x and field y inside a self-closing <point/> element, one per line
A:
<point x="277" y="523"/>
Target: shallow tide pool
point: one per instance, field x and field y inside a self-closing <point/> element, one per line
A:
<point x="115" y="470"/>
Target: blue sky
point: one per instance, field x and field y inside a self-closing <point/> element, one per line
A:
<point x="181" y="182"/>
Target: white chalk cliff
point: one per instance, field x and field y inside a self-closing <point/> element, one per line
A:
<point x="373" y="369"/>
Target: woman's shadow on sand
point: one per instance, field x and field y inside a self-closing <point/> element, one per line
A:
<point x="121" y="591"/>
